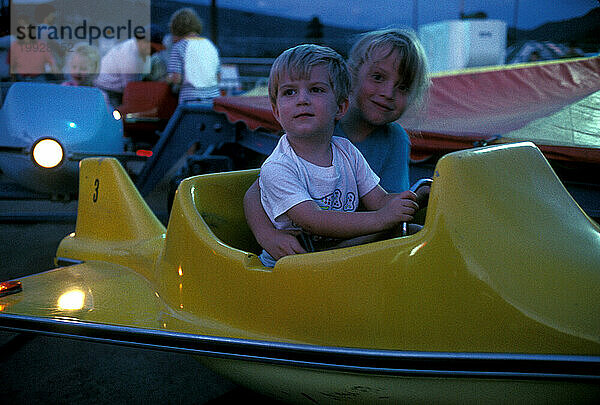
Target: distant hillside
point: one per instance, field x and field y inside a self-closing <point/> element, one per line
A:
<point x="248" y="34"/>
<point x="584" y="31"/>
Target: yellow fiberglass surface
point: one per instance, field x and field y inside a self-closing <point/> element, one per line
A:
<point x="506" y="262"/>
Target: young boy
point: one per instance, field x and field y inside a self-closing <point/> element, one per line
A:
<point x="313" y="182"/>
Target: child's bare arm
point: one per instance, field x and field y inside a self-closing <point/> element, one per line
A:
<point x="276" y="242"/>
<point x="378" y="198"/>
<point x="339" y="224"/>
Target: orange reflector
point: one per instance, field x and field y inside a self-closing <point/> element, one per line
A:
<point x="10" y="287"/>
<point x="143" y="152"/>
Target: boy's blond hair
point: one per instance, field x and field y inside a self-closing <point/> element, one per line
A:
<point x="376" y="45"/>
<point x="185" y="21"/>
<point x="297" y="63"/>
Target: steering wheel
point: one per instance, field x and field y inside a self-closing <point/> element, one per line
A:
<point x="426" y="182"/>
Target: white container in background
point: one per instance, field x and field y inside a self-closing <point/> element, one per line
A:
<point x="458" y="44"/>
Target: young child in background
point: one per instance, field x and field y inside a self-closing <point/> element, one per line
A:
<point x="313" y="182"/>
<point x="193" y="61"/>
<point x="389" y="72"/>
<point x="83" y="64"/>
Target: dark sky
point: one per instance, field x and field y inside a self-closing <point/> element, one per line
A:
<point x="378" y="13"/>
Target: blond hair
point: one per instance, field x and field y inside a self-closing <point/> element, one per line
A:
<point x="92" y="57"/>
<point x="412" y="67"/>
<point x="297" y="63"/>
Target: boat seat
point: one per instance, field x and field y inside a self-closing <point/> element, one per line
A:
<point x="219" y="200"/>
<point x="146" y="109"/>
<point x="150" y="99"/>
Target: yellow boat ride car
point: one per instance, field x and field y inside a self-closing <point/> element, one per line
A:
<point x="495" y="299"/>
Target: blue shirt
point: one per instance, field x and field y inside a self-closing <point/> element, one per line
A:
<point x="387" y="150"/>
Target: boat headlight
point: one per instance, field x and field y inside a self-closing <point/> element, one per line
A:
<point x="116" y="115"/>
<point x="47" y="153"/>
<point x="71" y="300"/>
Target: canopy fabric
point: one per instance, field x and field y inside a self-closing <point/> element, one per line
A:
<point x="577" y="124"/>
<point x="551" y="103"/>
<point x="254" y="111"/>
<point x="501" y="99"/>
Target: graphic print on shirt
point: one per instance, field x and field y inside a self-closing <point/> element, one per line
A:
<point x="333" y="201"/>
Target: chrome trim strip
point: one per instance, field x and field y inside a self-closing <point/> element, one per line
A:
<point x="386" y="362"/>
<point x="65" y="261"/>
<point x="123" y="156"/>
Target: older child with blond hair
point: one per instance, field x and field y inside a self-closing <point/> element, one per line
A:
<point x="313" y="182"/>
<point x="389" y="75"/>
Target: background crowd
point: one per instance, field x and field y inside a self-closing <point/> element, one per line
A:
<point x="177" y="54"/>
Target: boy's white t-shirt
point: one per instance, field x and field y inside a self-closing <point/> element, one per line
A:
<point x="287" y="180"/>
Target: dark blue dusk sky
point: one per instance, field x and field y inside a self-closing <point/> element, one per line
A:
<point x="378" y="13"/>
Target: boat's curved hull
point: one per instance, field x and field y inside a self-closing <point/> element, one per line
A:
<point x="301" y="384"/>
<point x="296" y="373"/>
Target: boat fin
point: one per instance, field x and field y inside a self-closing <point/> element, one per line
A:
<point x="114" y="223"/>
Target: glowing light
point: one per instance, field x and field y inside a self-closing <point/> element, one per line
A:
<point x="143" y="153"/>
<point x="116" y="115"/>
<point x="10" y="287"/>
<point x="71" y="300"/>
<point x="47" y="153"/>
<point x="180" y="271"/>
<point x="72" y="125"/>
